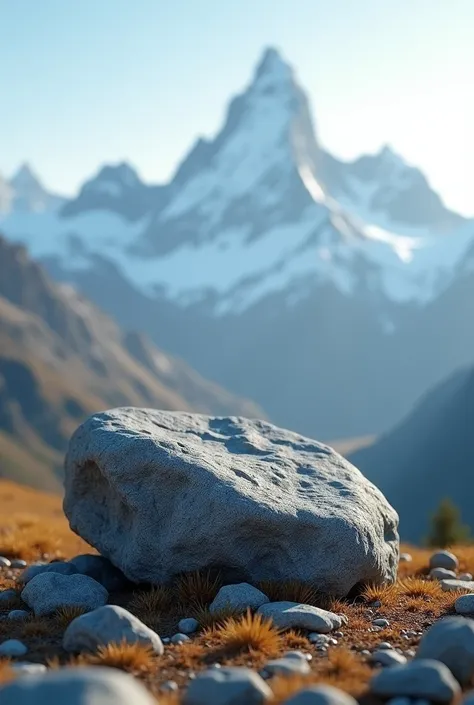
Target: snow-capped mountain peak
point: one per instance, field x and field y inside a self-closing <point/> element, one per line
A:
<point x="28" y="193"/>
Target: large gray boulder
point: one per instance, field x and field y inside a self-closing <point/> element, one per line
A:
<point x="160" y="493"/>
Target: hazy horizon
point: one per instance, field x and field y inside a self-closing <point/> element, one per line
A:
<point x="114" y="82"/>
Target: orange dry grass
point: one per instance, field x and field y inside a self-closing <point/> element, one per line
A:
<point x="418" y="587"/>
<point x="386" y="594"/>
<point x="6" y="672"/>
<point x="208" y="619"/>
<point x="250" y="632"/>
<point x="134" y="658"/>
<point x="199" y="587"/>
<point x="342" y="669"/>
<point x="36" y="627"/>
<point x="33" y="524"/>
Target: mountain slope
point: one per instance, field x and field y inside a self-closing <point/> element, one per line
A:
<point x="274" y="268"/>
<point x="428" y="456"/>
<point x="62" y="359"/>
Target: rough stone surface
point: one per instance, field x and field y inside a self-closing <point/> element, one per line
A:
<point x="48" y="591"/>
<point x="442" y="574"/>
<point x="444" y="559"/>
<point x="238" y="598"/>
<point x="107" y="624"/>
<point x="387" y="657"/>
<point x="76" y="686"/>
<point x="321" y="695"/>
<point x="102" y="570"/>
<point x="417" y="679"/>
<point x="188" y="625"/>
<point x="292" y="615"/>
<point x="283" y="507"/>
<point x="32" y="571"/>
<point x="179" y="638"/>
<point x="18" y="614"/>
<point x="287" y="667"/>
<point x="7" y="595"/>
<point x="449" y="585"/>
<point x="451" y="641"/>
<point x="227" y="686"/>
<point x="465" y="604"/>
<point x="12" y="647"/>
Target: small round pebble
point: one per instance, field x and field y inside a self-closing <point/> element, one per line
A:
<point x="179" y="638"/>
<point x="166" y="640"/>
<point x="365" y="652"/>
<point x="466" y="577"/>
<point x="188" y="625"/>
<point x="376" y="603"/>
<point x="4" y="562"/>
<point x="410" y="653"/>
<point x="18" y="614"/>
<point x="442" y="574"/>
<point x="18" y="563"/>
<point x="8" y="595"/>
<point x="385" y="645"/>
<point x="320" y="695"/>
<point x="12" y="647"/>
<point x="444" y="559"/>
<point x="405" y="558"/>
<point x="320" y="639"/>
<point x="298" y="655"/>
<point x="287" y="667"/>
<point x="169" y="687"/>
<point x="338" y="635"/>
<point x="381" y="623"/>
<point x="387" y="657"/>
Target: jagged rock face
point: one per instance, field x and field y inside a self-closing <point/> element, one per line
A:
<point x="162" y="493"/>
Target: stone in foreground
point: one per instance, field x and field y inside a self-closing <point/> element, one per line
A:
<point x="321" y="695"/>
<point x="287" y="667"/>
<point x="48" y="592"/>
<point x="442" y="574"/>
<point x="293" y="615"/>
<point x="256" y="501"/>
<point x="238" y="598"/>
<point x="12" y="647"/>
<point x="451" y="641"/>
<point x="108" y="624"/>
<point x="227" y="686"/>
<point x="76" y="686"/>
<point x="32" y="571"/>
<point x="417" y="679"/>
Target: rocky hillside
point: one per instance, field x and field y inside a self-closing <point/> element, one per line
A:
<point x="61" y="359"/>
<point x="428" y="456"/>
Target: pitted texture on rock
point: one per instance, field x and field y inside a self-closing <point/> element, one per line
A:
<point x="160" y="493"/>
<point x="47" y="592"/>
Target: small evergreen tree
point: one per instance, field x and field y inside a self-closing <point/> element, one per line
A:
<point x="446" y="528"/>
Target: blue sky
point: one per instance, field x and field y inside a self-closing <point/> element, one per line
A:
<point x="94" y="81"/>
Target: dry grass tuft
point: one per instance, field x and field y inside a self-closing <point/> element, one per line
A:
<point x="208" y="619"/>
<point x="189" y="655"/>
<point x="294" y="591"/>
<point x="199" y="587"/>
<point x="251" y="632"/>
<point x="37" y="627"/>
<point x="155" y="601"/>
<point x="295" y="640"/>
<point x="419" y="588"/>
<point x="7" y="673"/>
<point x="65" y="615"/>
<point x="386" y="594"/>
<point x="134" y="658"/>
